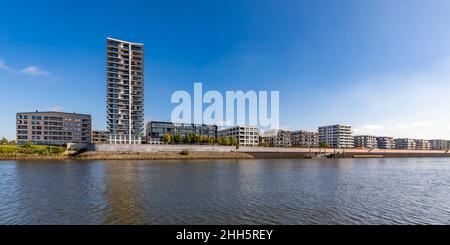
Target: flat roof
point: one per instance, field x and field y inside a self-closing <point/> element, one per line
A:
<point x="118" y="40"/>
<point x="181" y="123"/>
<point x="60" y="112"/>
<point x="334" y="125"/>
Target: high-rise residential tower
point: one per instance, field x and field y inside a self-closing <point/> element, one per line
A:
<point x="125" y="79"/>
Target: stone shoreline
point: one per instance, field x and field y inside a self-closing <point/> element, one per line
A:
<point x="160" y="155"/>
<point x="91" y="155"/>
<point x="35" y="157"/>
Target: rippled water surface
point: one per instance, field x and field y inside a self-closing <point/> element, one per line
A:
<point x="345" y="191"/>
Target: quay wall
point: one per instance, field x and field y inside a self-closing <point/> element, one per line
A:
<point x="158" y="148"/>
<point x="268" y="151"/>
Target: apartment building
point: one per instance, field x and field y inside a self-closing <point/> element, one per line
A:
<point x="385" y="142"/>
<point x="125" y="90"/>
<point x="245" y="135"/>
<point x="365" y="141"/>
<point x="100" y="137"/>
<point x="53" y="128"/>
<point x="156" y="130"/>
<point x="277" y="137"/>
<point x="302" y="138"/>
<point x="438" y="144"/>
<point x="422" y="144"/>
<point x="405" y="144"/>
<point x="339" y="136"/>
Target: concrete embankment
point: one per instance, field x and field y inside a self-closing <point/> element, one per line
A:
<point x="269" y="152"/>
<point x="296" y="155"/>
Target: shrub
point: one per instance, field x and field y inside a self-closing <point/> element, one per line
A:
<point x="4" y="141"/>
<point x="56" y="149"/>
<point x="28" y="144"/>
<point x="29" y="148"/>
<point x="185" y="152"/>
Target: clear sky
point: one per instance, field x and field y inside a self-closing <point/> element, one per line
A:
<point x="382" y="66"/>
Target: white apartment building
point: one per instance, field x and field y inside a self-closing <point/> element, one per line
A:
<point x="245" y="135"/>
<point x="438" y="144"/>
<point x="385" y="142"/>
<point x="302" y="138"/>
<point x="422" y="144"/>
<point x="365" y="141"/>
<point x="277" y="137"/>
<point x="405" y="144"/>
<point x="338" y="136"/>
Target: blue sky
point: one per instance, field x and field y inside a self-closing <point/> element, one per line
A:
<point x="381" y="66"/>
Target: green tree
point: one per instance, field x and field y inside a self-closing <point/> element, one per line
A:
<point x="219" y="140"/>
<point x="211" y="140"/>
<point x="28" y="144"/>
<point x="323" y="145"/>
<point x="4" y="141"/>
<point x="227" y="141"/>
<point x="234" y="141"/>
<point x="164" y="138"/>
<point x="205" y="139"/>
<point x="195" y="139"/>
<point x="188" y="139"/>
<point x="177" y="139"/>
<point x="167" y="138"/>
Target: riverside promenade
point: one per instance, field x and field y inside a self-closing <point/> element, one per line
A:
<point x="270" y="152"/>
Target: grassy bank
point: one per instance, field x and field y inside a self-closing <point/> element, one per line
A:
<point x="32" y="152"/>
<point x="42" y="152"/>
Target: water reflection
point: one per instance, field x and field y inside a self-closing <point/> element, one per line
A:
<point x="122" y="193"/>
<point x="291" y="191"/>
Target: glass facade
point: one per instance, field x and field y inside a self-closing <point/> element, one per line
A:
<point x="156" y="130"/>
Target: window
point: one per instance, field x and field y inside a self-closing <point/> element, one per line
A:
<point x="136" y="48"/>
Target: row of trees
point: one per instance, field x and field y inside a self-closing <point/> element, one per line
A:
<point x="5" y="141"/>
<point x="198" y="139"/>
<point x="264" y="143"/>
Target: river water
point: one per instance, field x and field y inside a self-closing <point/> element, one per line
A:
<point x="294" y="191"/>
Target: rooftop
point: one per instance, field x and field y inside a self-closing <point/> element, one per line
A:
<point x="59" y="112"/>
<point x="118" y="40"/>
